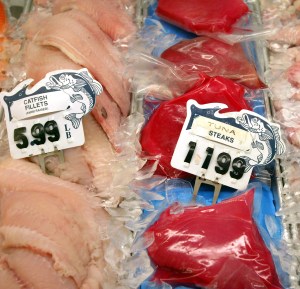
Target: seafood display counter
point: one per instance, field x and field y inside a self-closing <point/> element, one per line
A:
<point x="149" y="144"/>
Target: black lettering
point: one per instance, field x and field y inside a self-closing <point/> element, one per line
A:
<point x="231" y="140"/>
<point x="68" y="134"/>
<point x="66" y="128"/>
<point x="211" y="133"/>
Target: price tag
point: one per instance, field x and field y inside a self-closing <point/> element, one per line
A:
<point x="48" y="116"/>
<point x="225" y="147"/>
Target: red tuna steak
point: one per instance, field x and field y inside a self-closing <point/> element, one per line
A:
<point x="217" y="246"/>
<point x="159" y="136"/>
<point x="203" y="54"/>
<point x="202" y="15"/>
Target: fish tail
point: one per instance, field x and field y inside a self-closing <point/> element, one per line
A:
<point x="280" y="146"/>
<point x="95" y="85"/>
<point x="74" y="120"/>
<point x="248" y="166"/>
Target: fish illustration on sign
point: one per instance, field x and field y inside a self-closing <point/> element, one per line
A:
<point x="266" y="140"/>
<point x="82" y="90"/>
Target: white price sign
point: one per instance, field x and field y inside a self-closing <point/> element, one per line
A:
<point x="225" y="147"/>
<point x="48" y="116"/>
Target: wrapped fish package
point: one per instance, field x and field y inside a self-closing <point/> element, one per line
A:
<point x="193" y="244"/>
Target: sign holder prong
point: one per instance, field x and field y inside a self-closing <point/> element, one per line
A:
<point x="42" y="157"/>
<point x="199" y="181"/>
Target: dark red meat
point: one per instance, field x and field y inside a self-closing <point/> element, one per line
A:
<point x="160" y="135"/>
<point x="202" y="15"/>
<point x="217" y="246"/>
<point x="203" y="54"/>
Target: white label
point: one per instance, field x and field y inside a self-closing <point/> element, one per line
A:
<point x="39" y="104"/>
<point x="48" y="116"/>
<point x="210" y="145"/>
<point x="222" y="133"/>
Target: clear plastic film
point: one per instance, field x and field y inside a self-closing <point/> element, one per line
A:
<point x="214" y="57"/>
<point x="231" y="21"/>
<point x="283" y="16"/>
<point x="207" y="259"/>
<point x="156" y="137"/>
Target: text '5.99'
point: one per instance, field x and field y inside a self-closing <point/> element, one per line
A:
<point x="39" y="132"/>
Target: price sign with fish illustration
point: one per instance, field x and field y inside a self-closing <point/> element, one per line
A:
<point x="48" y="116"/>
<point x="225" y="147"/>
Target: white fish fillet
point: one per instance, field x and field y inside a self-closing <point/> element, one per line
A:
<point x="81" y="45"/>
<point x="8" y="277"/>
<point x="107" y="114"/>
<point x="100" y="157"/>
<point x="53" y="218"/>
<point x="37" y="270"/>
<point x="108" y="14"/>
<point x="39" y="60"/>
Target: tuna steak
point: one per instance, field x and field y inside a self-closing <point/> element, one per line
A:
<point x="216" y="58"/>
<point x="158" y="139"/>
<point x="202" y="15"/>
<point x="217" y="246"/>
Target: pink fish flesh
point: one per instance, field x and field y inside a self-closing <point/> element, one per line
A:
<point x="109" y="16"/>
<point x="65" y="33"/>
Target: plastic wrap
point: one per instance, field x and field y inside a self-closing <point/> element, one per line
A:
<point x="203" y="54"/>
<point x="283" y="16"/>
<point x="195" y="245"/>
<point x="156" y="77"/>
<point x="158" y="139"/>
<point x="209" y="260"/>
<point x="230" y="21"/>
<point x="202" y="16"/>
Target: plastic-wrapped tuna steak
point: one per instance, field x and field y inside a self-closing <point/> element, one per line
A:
<point x="204" y="54"/>
<point x="159" y="136"/>
<point x="217" y="246"/>
<point x="202" y="15"/>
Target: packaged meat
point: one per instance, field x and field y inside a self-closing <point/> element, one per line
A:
<point x="157" y="139"/>
<point x="202" y="16"/>
<point x="226" y="250"/>
<point x="215" y="58"/>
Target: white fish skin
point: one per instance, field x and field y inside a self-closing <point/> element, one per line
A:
<point x="110" y="16"/>
<point x="81" y="45"/>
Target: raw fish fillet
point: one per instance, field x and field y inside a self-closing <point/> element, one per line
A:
<point x="34" y="22"/>
<point x="288" y="34"/>
<point x="94" y="165"/>
<point x="101" y="158"/>
<point x="215" y="246"/>
<point x="215" y="58"/>
<point x="160" y="134"/>
<point x="74" y="168"/>
<point x="293" y="74"/>
<point x="84" y="48"/>
<point x="39" y="60"/>
<point x="108" y="14"/>
<point x="7" y="277"/>
<point x="107" y="114"/>
<point x="202" y="15"/>
<point x="49" y="226"/>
